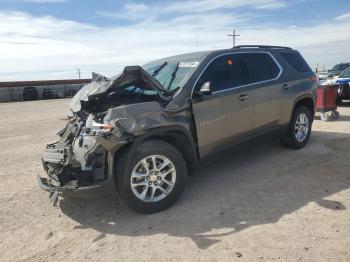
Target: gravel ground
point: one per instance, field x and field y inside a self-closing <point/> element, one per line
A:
<point x="262" y="203"/>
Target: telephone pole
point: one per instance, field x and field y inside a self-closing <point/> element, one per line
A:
<point x="234" y="35"/>
<point x="79" y="73"/>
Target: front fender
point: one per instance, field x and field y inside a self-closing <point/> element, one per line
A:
<point x="136" y="123"/>
<point x="129" y="147"/>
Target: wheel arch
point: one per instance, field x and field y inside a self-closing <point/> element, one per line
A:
<point x="177" y="136"/>
<point x="306" y="101"/>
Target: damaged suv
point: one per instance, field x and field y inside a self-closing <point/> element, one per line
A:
<point x="148" y="127"/>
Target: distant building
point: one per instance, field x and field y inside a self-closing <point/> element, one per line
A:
<point x="34" y="90"/>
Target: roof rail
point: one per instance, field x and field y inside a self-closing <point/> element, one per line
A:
<point x="263" y="46"/>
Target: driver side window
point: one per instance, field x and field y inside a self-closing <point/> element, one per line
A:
<point x="223" y="73"/>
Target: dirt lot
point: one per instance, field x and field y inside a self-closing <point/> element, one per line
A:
<point x="260" y="204"/>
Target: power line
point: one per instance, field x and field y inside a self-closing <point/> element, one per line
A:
<point x="234" y="35"/>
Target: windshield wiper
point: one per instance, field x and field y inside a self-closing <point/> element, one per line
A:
<point x="173" y="75"/>
<point x="160" y="68"/>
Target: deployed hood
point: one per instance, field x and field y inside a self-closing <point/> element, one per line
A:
<point x="132" y="75"/>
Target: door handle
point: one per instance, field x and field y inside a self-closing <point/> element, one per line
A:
<point x="286" y="86"/>
<point x="243" y="97"/>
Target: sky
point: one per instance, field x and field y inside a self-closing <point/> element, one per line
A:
<point x="52" y="39"/>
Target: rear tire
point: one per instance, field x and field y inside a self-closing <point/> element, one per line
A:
<point x="152" y="177"/>
<point x="299" y="129"/>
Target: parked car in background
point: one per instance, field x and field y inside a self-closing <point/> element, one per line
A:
<point x="344" y="81"/>
<point x="331" y="76"/>
<point x="338" y="69"/>
<point x="49" y="94"/>
<point x="323" y="77"/>
<point x="30" y="93"/>
<point x="149" y="126"/>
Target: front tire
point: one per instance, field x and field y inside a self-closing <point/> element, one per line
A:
<point x="299" y="130"/>
<point x="152" y="177"/>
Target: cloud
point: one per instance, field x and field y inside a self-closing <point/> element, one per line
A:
<point x="46" y="47"/>
<point x="140" y="7"/>
<point x="133" y="11"/>
<point x="36" y="1"/>
<point x="137" y="11"/>
<point x="343" y="17"/>
<point x="271" y="5"/>
<point x="208" y="5"/>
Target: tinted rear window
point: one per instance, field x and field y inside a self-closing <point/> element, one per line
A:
<point x="296" y="61"/>
<point x="259" y="67"/>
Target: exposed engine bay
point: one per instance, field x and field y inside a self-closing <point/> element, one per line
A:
<point x="77" y="158"/>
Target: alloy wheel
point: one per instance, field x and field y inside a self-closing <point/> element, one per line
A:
<point x="153" y="178"/>
<point x="301" y="128"/>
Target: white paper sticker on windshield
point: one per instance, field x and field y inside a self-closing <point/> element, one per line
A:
<point x="188" y="64"/>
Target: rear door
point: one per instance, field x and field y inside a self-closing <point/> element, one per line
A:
<point x="226" y="113"/>
<point x="263" y="71"/>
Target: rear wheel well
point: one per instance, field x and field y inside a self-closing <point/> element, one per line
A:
<point x="307" y="102"/>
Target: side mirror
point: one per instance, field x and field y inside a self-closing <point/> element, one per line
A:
<point x="205" y="89"/>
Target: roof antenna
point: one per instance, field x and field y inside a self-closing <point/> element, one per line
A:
<point x="234" y="35"/>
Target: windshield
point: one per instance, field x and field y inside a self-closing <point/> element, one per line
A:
<point x="171" y="74"/>
<point x="345" y="74"/>
<point x="340" y="67"/>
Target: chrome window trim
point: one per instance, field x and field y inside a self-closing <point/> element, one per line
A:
<point x="236" y="53"/>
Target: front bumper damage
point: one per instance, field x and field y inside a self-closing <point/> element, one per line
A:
<point x="44" y="184"/>
<point x="59" y="175"/>
<point x="76" y="162"/>
<point x="51" y="184"/>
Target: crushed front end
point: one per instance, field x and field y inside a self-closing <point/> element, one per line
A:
<point x="82" y="157"/>
<point x="107" y="114"/>
<point x="77" y="161"/>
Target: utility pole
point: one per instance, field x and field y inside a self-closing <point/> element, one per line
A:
<point x="234" y="35"/>
<point x="79" y="73"/>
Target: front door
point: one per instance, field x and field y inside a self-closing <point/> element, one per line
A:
<point x="226" y="113"/>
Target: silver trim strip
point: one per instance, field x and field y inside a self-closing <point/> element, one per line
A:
<point x="235" y="53"/>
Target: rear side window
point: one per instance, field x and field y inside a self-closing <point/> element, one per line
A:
<point x="223" y="73"/>
<point x="296" y="61"/>
<point x="258" y="67"/>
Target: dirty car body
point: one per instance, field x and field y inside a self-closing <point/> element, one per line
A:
<point x="181" y="107"/>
